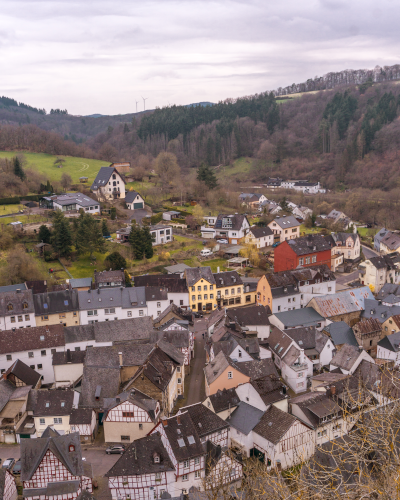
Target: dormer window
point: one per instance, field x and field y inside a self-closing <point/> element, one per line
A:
<point x="25" y="305"/>
<point x="62" y="404"/>
<point x="10" y="307"/>
<point x="47" y="404"/>
<point x="71" y="448"/>
<point x="156" y="458"/>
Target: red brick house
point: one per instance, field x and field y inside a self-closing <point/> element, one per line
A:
<point x="310" y="250"/>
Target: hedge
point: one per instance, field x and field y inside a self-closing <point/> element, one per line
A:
<point x="16" y="200"/>
<point x="182" y="212"/>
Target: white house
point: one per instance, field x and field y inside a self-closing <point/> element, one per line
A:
<point x="71" y="202"/>
<point x="260" y="236"/>
<point x="286" y="227"/>
<point x="348" y="359"/>
<point x="134" y="201"/>
<point x="388" y="348"/>
<point x="377" y="271"/>
<point x="347" y="244"/>
<point x="161" y="234"/>
<point x="254" y="318"/>
<point x="83" y="421"/>
<point x="231" y="227"/>
<point x="16" y="309"/>
<point x="304" y="186"/>
<point x="109" y="184"/>
<point x="252" y="199"/>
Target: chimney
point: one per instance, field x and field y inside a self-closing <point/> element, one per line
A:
<point x="333" y="390"/>
<point x="218" y="269"/>
<point x="165" y="422"/>
<point x="18" y="290"/>
<point x="120" y="359"/>
<point x="178" y="419"/>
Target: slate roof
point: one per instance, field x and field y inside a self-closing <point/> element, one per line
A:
<point x="38" y="337"/>
<point x="80" y="282"/>
<point x="130" y="196"/>
<point x="315" y="405"/>
<point x="245" y="417"/>
<point x="237" y="221"/>
<point x="270" y="389"/>
<point x="103" y="176"/>
<point x="194" y="274"/>
<point x="391" y="342"/>
<point x="346" y="357"/>
<point x="250" y="315"/>
<point x="374" y="309"/>
<point x="13" y="288"/>
<point x="22" y="371"/>
<point x="287" y="221"/>
<point x="151" y="293"/>
<point x="306" y="244"/>
<point x="274" y="424"/>
<point x="391" y="240"/>
<point x="56" y="302"/>
<point x="343" y="237"/>
<point x="135" y="397"/>
<point x="73" y="198"/>
<point x="81" y="416"/>
<point x="178" y="338"/>
<point x="280" y="279"/>
<point x="37" y="286"/>
<point x="205" y="421"/>
<point x="68" y="357"/>
<point x="299" y="317"/>
<point x="260" y="232"/>
<point x="16" y="300"/>
<point x="223" y="400"/>
<point x="33" y="451"/>
<point x="171" y="282"/>
<point x="171" y="351"/>
<point x="388" y="289"/>
<point x="343" y="302"/>
<point x="217" y="366"/>
<point x="227" y="278"/>
<point x="341" y="333"/>
<point x="102" y="382"/>
<point x="181" y="427"/>
<point x="177" y="268"/>
<point x="7" y="390"/>
<point x="108" y="356"/>
<point x="138" y="458"/>
<point x="109" y="276"/>
<point x="279" y="341"/>
<point x="257" y="369"/>
<point x="51" y="403"/>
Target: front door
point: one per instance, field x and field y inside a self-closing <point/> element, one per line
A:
<point x="200" y="307"/>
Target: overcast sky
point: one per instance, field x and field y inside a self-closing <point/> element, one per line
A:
<point x="101" y="56"/>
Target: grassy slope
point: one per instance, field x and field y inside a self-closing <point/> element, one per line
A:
<point x="75" y="167"/>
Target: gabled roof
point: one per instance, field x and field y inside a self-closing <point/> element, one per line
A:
<point x="274" y="424"/>
<point x="299" y="317"/>
<point x="341" y="333"/>
<point x="343" y="237"/>
<point x="178" y="338"/>
<point x="135" y="397"/>
<point x="279" y="341"/>
<point x="374" y="309"/>
<point x="250" y="315"/>
<point x="227" y="278"/>
<point x="138" y="459"/>
<point x="183" y="436"/>
<point x="245" y="417"/>
<point x="391" y="342"/>
<point x="315" y="405"/>
<point x="391" y="240"/>
<point x="270" y="389"/>
<point x="51" y="402"/>
<point x="68" y="357"/>
<point x="287" y="221"/>
<point x="172" y="283"/>
<point x="223" y="400"/>
<point x="103" y="176"/>
<point x="346" y="357"/>
<point x="260" y="232"/>
<point x="389" y="289"/>
<point x="343" y="302"/>
<point x="236" y="219"/>
<point x="81" y="416"/>
<point x="56" y="302"/>
<point x="365" y="326"/>
<point x="257" y="369"/>
<point x="38" y="337"/>
<point x="33" y="451"/>
<point x="205" y="421"/>
<point x="308" y="244"/>
<point x="130" y="196"/>
<point x="308" y="337"/>
<point x="16" y="302"/>
<point x="23" y="372"/>
<point x="383" y="262"/>
<point x="217" y="366"/>
<point x="177" y="268"/>
<point x="194" y="274"/>
<point x="72" y="198"/>
<point x="109" y="276"/>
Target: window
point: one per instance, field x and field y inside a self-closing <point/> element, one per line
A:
<point x="301" y="261"/>
<point x="185" y="464"/>
<point x="205" y="287"/>
<point x="193" y="288"/>
<point x="178" y="369"/>
<point x="197" y="461"/>
<point x="294" y="299"/>
<point x="193" y="298"/>
<point x="8" y="357"/>
<point x="230" y="375"/>
<point x="53" y="351"/>
<point x="43" y="353"/>
<point x="129" y="314"/>
<point x="300" y="374"/>
<point x="233" y="291"/>
<point x="2" y="371"/>
<point x="179" y="380"/>
<point x="125" y="438"/>
<point x="199" y="288"/>
<point x="307" y="260"/>
<point x="109" y="311"/>
<point x="279" y="308"/>
<point x="211" y="296"/>
<point x="10" y="307"/>
<point x="32" y="366"/>
<point x="140" y="427"/>
<point x="30" y="354"/>
<point x="197" y="474"/>
<point x="12" y="319"/>
<point x="42" y="421"/>
<point x="141" y="312"/>
<point x="71" y="448"/>
<point x="211" y="287"/>
<point x="158" y="304"/>
<point x="238" y="290"/>
<point x="226" y="292"/>
<point x="205" y="296"/>
<point x="40" y="367"/>
<point x="158" y="476"/>
<point x="61" y="316"/>
<point x="92" y="313"/>
<point x="57" y="420"/>
<point x="314" y="258"/>
<point x="288" y="300"/>
<point x="185" y="477"/>
<point x="199" y="297"/>
<point x="45" y="318"/>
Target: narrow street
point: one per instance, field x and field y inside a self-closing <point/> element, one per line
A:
<point x="196" y="391"/>
<point x="368" y="252"/>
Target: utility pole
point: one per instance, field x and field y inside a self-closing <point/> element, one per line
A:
<point x="144" y="102"/>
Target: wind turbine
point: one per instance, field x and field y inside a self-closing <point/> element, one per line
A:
<point x="136" y="105"/>
<point x="144" y="102"/>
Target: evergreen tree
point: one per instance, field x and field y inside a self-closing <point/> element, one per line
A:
<point x="61" y="239"/>
<point x="147" y="243"/>
<point x="113" y="213"/>
<point x="18" y="170"/>
<point x="44" y="234"/>
<point x="104" y="228"/>
<point x="206" y="174"/>
<point x="115" y="261"/>
<point x="136" y="241"/>
<point x="89" y="237"/>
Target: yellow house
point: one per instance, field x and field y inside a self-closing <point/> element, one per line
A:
<point x="53" y="308"/>
<point x="231" y="291"/>
<point x="202" y="289"/>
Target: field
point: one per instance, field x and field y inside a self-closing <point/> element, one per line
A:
<point x="75" y="167"/>
<point x="240" y="166"/>
<point x="10" y="209"/>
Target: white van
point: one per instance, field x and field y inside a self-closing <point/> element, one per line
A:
<point x="206" y="252"/>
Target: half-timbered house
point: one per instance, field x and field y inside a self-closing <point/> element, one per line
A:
<point x="143" y="472"/>
<point x="129" y="416"/>
<point x="8" y="486"/>
<point x="52" y="468"/>
<point x="84" y="421"/>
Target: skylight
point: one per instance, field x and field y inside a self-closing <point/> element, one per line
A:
<point x="65" y="302"/>
<point x="181" y="443"/>
<point x="191" y="440"/>
<point x="45" y="306"/>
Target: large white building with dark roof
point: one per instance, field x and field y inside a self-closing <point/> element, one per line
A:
<point x="109" y="184"/>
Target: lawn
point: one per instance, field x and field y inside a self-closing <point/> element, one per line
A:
<point x="240" y="166"/>
<point x="25" y="219"/>
<point x="309" y="230"/>
<point x="365" y="231"/>
<point x="10" y="209"/>
<point x="75" y="167"/>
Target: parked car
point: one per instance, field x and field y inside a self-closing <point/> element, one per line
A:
<point x="222" y="241"/>
<point x="17" y="467"/>
<point x="117" y="449"/>
<point x="276" y="244"/>
<point x="8" y="463"/>
<point x="206" y="252"/>
<point x="197" y="314"/>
